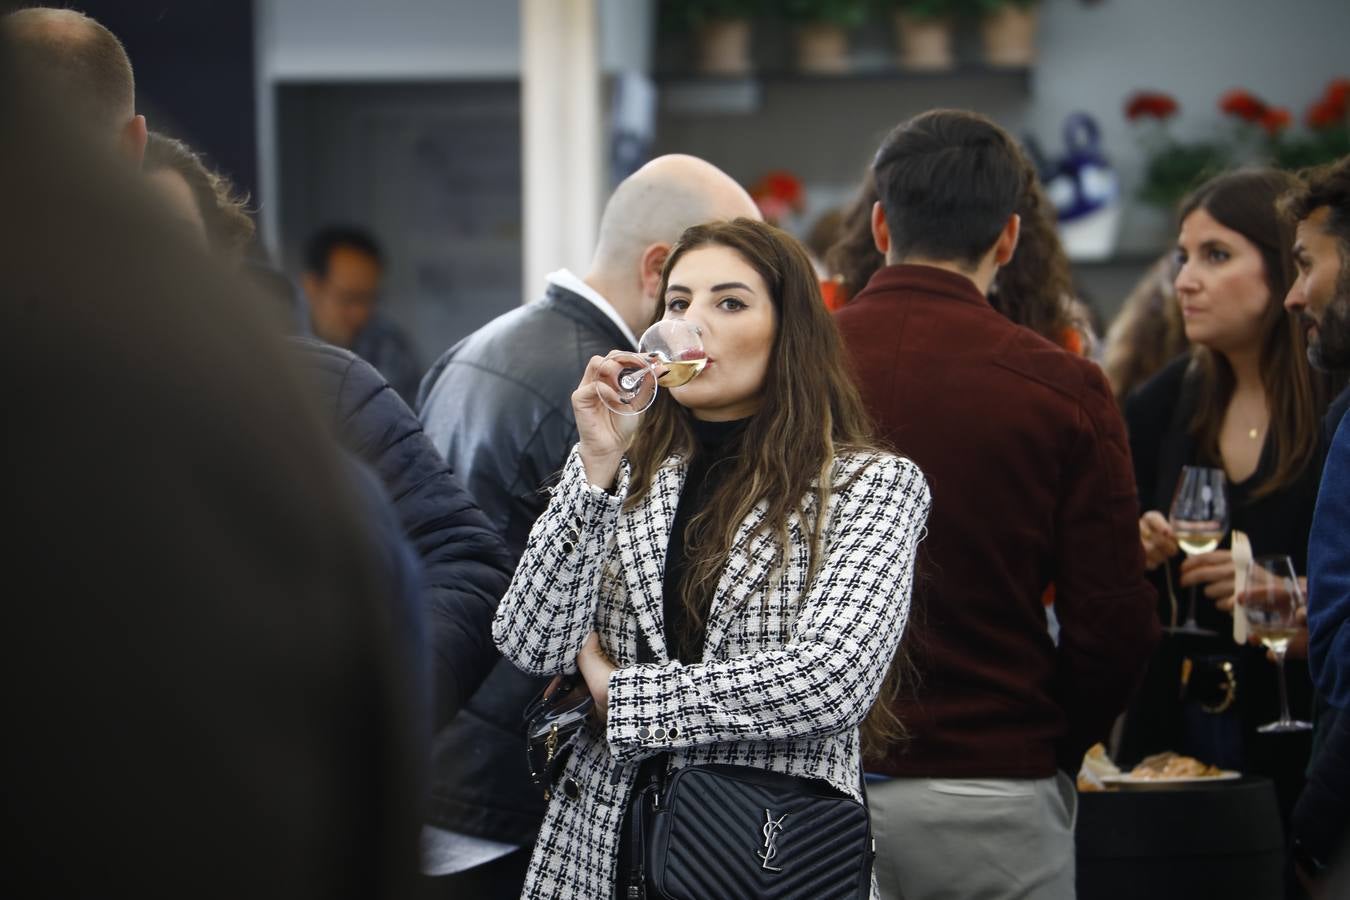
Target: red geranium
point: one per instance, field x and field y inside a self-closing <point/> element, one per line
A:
<point x="1275" y="120"/>
<point x="1324" y="115"/>
<point x="1150" y="104"/>
<point x="1243" y="104"/>
<point x="1334" y="106"/>
<point x="1338" y="92"/>
<point x="778" y="193"/>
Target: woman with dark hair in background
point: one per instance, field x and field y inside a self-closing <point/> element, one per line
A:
<point x="1148" y="332"/>
<point x="1034" y="290"/>
<point x="1244" y="401"/>
<point x="750" y="535"/>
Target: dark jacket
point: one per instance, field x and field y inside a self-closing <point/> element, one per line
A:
<point x="1329" y="577"/>
<point x="465" y="566"/>
<point x="499" y="406"/>
<point x="204" y="694"/>
<point x="386" y="346"/>
<point x="1025" y="454"/>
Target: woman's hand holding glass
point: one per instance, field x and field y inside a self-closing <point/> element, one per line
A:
<point x="1216" y="571"/>
<point x="604" y="436"/>
<point x="619" y="387"/>
<point x="1158" y="539"/>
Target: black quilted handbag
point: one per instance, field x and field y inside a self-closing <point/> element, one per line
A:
<point x="720" y="832"/>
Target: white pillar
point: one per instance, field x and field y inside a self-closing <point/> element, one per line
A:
<point x="561" y="136"/>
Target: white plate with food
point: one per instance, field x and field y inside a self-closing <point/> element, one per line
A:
<point x="1162" y="783"/>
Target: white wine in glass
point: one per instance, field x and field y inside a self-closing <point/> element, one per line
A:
<point x="1199" y="519"/>
<point x="1271" y="603"/>
<point x="670" y="354"/>
<point x="681" y="371"/>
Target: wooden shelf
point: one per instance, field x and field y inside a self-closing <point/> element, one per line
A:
<point x="695" y="93"/>
<point x="869" y="72"/>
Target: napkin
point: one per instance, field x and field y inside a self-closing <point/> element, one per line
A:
<point x="1242" y="562"/>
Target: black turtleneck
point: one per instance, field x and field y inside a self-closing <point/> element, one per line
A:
<point x="718" y="443"/>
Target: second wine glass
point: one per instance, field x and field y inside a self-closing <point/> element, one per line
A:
<point x="670" y="354"/>
<point x="1199" y="518"/>
<point x="1271" y="603"/>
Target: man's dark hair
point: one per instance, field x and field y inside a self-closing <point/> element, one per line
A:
<point x="1328" y="186"/>
<point x="319" y="248"/>
<point x="948" y="181"/>
<point x="81" y="60"/>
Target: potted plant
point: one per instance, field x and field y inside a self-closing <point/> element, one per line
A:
<point x="1172" y="168"/>
<point x="1328" y="131"/>
<point x="720" y="29"/>
<point x="923" y="30"/>
<point x="1268" y="129"/>
<point x="822" y="31"/>
<point x="1008" y="30"/>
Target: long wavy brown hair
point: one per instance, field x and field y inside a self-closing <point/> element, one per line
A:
<point x="809" y="413"/>
<point x="1035" y="288"/>
<point x="1245" y="201"/>
<point x="1148" y="332"/>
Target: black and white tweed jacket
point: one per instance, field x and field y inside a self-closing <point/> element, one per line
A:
<point x="789" y="670"/>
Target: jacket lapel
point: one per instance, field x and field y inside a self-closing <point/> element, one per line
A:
<point x="749" y="565"/>
<point x="753" y="561"/>
<point x="643" y="535"/>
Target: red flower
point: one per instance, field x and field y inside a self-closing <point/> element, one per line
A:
<point x="1337" y="93"/>
<point x="1275" y="120"/>
<point x="1152" y="105"/>
<point x="778" y="193"/>
<point x="1242" y="104"/>
<point x="1325" y="115"/>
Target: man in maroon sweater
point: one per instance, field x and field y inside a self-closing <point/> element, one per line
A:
<point x="1026" y="456"/>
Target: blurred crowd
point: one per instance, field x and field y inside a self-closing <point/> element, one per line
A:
<point x="282" y="607"/>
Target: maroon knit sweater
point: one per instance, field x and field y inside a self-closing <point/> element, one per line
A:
<point x="1026" y="456"/>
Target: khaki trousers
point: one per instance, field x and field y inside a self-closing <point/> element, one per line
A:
<point x="974" y="839"/>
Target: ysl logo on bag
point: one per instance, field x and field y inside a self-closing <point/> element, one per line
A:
<point x="772" y="828"/>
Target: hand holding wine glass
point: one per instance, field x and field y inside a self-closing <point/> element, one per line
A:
<point x="603" y="436"/>
<point x="617" y="388"/>
<point x="1199" y="520"/>
<point x="670" y="354"/>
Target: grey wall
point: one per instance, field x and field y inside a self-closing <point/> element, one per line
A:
<point x="1091" y="58"/>
<point x="434" y="171"/>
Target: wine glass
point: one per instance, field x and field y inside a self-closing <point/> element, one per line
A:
<point x="670" y="354"/>
<point x="1271" y="602"/>
<point x="1199" y="518"/>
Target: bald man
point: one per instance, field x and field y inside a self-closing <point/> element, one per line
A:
<point x="498" y="405"/>
<point x="87" y="68"/>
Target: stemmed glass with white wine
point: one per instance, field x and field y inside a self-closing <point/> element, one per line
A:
<point x="1199" y="519"/>
<point x="670" y="354"/>
<point x="1271" y="603"/>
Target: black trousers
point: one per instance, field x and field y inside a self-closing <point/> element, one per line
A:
<point x="501" y="879"/>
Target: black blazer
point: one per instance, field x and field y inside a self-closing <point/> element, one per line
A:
<point x="498" y="405"/>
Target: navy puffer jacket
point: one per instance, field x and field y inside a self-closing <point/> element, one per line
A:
<point x="465" y="564"/>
